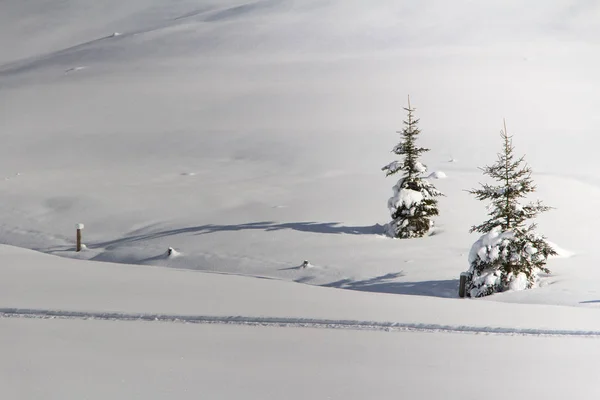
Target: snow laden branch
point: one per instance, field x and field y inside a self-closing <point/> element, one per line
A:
<point x="413" y="202"/>
<point x="510" y="253"/>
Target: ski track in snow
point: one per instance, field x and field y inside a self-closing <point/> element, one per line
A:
<point x="290" y="322"/>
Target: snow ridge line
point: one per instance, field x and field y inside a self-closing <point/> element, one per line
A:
<point x="288" y="322"/>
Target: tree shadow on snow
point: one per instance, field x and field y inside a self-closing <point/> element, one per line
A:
<point x="334" y="228"/>
<point x="387" y="284"/>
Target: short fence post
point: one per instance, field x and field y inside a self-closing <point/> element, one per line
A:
<point x="79" y="228"/>
<point x="462" y="287"/>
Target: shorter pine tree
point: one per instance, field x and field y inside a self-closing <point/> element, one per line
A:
<point x="510" y="254"/>
<point x="413" y="203"/>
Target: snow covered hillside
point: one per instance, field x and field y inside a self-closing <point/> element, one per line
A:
<point x="249" y="136"/>
<point x="75" y="329"/>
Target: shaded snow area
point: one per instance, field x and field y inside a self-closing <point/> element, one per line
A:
<point x="205" y="144"/>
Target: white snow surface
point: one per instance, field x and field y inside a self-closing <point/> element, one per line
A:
<point x="33" y="281"/>
<point x="285" y="111"/>
<point x="420" y="167"/>
<point x="487" y="247"/>
<point x="76" y="329"/>
<point x="156" y="361"/>
<point x="188" y="86"/>
<point x="404" y="197"/>
<point x="437" y="175"/>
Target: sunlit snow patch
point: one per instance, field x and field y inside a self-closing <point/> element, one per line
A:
<point x="560" y="252"/>
<point x="437" y="175"/>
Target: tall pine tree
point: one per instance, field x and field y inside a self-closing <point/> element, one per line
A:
<point x="413" y="203"/>
<point x="510" y="253"/>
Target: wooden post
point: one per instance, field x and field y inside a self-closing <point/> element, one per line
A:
<point x="462" y="287"/>
<point x="79" y="228"/>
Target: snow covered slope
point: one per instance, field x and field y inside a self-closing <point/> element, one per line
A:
<point x="136" y="360"/>
<point x="94" y="336"/>
<point x="40" y="285"/>
<point x="250" y="136"/>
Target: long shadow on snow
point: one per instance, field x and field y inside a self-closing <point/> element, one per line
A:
<point x="268" y="226"/>
<point x="385" y="284"/>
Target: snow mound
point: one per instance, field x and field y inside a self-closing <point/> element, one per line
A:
<point x="437" y="175"/>
<point x="171" y="252"/>
<point x="487" y="247"/>
<point x="519" y="282"/>
<point x="405" y="197"/>
<point x="420" y="167"/>
<point x="560" y="252"/>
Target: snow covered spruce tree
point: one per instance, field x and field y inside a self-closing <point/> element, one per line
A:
<point x="509" y="254"/>
<point x="413" y="203"/>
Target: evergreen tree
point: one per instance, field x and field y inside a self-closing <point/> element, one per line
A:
<point x="413" y="203"/>
<point x="510" y="253"/>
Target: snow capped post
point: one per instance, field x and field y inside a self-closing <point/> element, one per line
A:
<point x="79" y="228"/>
<point x="413" y="203"/>
<point x="510" y="253"/>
